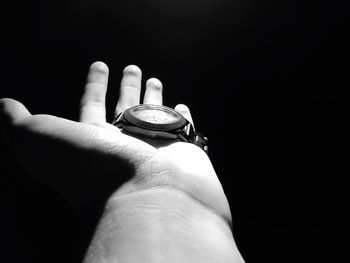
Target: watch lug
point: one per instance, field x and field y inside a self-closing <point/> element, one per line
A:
<point x="119" y="120"/>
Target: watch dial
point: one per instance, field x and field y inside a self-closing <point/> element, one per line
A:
<point x="156" y="116"/>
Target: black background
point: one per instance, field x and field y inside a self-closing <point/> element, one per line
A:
<point x="266" y="81"/>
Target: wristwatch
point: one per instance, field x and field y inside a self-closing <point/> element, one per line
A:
<point x="159" y="122"/>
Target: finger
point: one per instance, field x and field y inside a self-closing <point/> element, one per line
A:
<point x="92" y="103"/>
<point x="184" y="111"/>
<point x="12" y="111"/>
<point x="153" y="93"/>
<point x="130" y="88"/>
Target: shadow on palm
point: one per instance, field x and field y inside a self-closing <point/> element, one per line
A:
<point x="91" y="160"/>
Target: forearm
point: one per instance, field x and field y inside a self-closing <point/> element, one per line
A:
<point x="161" y="225"/>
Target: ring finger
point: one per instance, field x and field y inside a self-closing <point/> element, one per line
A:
<point x="153" y="93"/>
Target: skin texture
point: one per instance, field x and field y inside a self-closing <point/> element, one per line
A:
<point x="149" y="192"/>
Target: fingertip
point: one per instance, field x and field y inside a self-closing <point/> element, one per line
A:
<point x="182" y="108"/>
<point x="184" y="111"/>
<point x="132" y="69"/>
<point x="99" y="63"/>
<point x="154" y="83"/>
<point x="100" y="66"/>
<point x="98" y="73"/>
<point x="12" y="111"/>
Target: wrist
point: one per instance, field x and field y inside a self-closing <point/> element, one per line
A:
<point x="167" y="204"/>
<point x="161" y="224"/>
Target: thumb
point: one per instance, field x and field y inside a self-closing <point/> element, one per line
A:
<point x="12" y="111"/>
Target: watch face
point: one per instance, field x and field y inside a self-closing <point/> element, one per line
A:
<point x="154" y="117"/>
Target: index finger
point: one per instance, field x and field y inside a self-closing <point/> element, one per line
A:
<point x="92" y="103"/>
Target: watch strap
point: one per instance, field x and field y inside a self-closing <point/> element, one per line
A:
<point x="190" y="135"/>
<point x="201" y="141"/>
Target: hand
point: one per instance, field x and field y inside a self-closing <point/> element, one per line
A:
<point x="91" y="161"/>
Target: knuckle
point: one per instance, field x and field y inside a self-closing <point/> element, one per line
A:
<point x="125" y="89"/>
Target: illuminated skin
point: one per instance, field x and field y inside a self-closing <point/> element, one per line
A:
<point x="162" y="203"/>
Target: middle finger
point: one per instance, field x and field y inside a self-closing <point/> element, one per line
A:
<point x="130" y="88"/>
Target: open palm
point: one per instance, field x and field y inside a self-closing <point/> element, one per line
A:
<point x="92" y="160"/>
